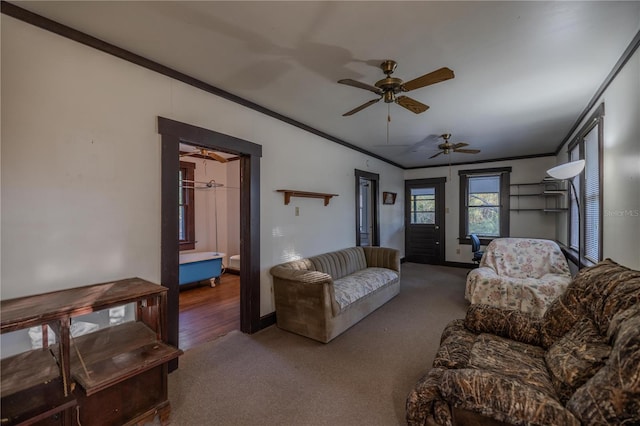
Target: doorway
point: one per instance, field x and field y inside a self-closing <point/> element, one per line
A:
<point x="209" y="234"/>
<point x="172" y="134"/>
<point x="367" y="224"/>
<point x="424" y="221"/>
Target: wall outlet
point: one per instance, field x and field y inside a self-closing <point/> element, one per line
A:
<point x="446" y="209"/>
<point x="457" y="251"/>
<point x="297" y="211"/>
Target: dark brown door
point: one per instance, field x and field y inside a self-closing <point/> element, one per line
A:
<point x="424" y="221"/>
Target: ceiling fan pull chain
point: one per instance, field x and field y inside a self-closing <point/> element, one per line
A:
<point x="388" y="120"/>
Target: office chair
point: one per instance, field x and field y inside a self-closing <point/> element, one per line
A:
<point x="475" y="248"/>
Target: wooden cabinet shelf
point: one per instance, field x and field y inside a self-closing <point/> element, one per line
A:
<point x="288" y="193"/>
<point x="113" y="376"/>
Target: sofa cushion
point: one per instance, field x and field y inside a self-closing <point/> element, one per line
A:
<point x="455" y="346"/>
<point x="511" y="359"/>
<point x="576" y="357"/>
<point x="340" y="263"/>
<point x="612" y="395"/>
<point x="597" y="292"/>
<point x="502" y="398"/>
<point x="360" y="283"/>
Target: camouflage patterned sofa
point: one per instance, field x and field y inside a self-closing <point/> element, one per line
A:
<point x="577" y="364"/>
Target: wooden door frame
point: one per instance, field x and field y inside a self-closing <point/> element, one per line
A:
<point x="439" y="183"/>
<point x="174" y="132"/>
<point x="375" y="178"/>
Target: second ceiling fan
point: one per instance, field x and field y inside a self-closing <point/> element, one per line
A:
<point x="389" y="87"/>
<point x="448" y="147"/>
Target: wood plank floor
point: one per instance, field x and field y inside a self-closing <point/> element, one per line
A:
<point x="207" y="313"/>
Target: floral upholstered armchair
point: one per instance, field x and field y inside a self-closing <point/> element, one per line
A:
<point x="519" y="273"/>
<point x="578" y="364"/>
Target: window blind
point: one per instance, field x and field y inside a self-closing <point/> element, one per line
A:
<point x="592" y="196"/>
<point x="574" y="155"/>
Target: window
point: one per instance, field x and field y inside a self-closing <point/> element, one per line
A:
<point x="423" y="205"/>
<point x="186" y="206"/>
<point x="484" y="203"/>
<point x="585" y="225"/>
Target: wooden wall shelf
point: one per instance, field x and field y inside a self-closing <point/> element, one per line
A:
<point x="288" y="193"/>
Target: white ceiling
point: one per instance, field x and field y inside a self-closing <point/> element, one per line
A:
<point x="524" y="71"/>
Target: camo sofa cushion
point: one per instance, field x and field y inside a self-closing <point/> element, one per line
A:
<point x="578" y="364"/>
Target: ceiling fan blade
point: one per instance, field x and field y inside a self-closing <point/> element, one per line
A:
<point x="467" y="151"/>
<point x="187" y="154"/>
<point x="434" y="77"/>
<point x="361" y="107"/>
<point x="435" y="155"/>
<point x="411" y="104"/>
<point x="360" y="85"/>
<point x="459" y="145"/>
<point x="217" y="157"/>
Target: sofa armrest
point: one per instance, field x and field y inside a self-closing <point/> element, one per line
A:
<point x="510" y="323"/>
<point x="382" y="257"/>
<point x="314" y="288"/>
<point x="303" y="276"/>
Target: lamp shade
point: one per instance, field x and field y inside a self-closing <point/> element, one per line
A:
<point x="566" y="170"/>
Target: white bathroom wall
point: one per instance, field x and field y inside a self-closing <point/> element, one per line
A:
<point x="233" y="208"/>
<point x="532" y="224"/>
<point x="81" y="169"/>
<point x="621" y="167"/>
<point x="211" y="207"/>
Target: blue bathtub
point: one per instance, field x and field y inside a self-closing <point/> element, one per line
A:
<point x="200" y="266"/>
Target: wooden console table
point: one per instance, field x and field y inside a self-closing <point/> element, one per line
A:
<point x="116" y="375"/>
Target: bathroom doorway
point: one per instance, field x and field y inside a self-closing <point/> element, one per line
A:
<point x="172" y="134"/>
<point x="209" y="239"/>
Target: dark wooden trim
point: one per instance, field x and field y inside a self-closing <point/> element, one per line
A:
<point x="626" y="55"/>
<point x="483" y="171"/>
<point x="250" y="154"/>
<point x="169" y="243"/>
<point x="250" y="244"/>
<point x="190" y="206"/>
<point x="522" y="157"/>
<point x="88" y="40"/>
<point x="267" y="320"/>
<point x="375" y="179"/>
<point x="505" y="201"/>
<point x="460" y="264"/>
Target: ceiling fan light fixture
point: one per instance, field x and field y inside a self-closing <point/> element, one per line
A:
<point x="389" y="97"/>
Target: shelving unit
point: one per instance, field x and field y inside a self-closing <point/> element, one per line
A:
<point x="546" y="196"/>
<point x="288" y="193"/>
<point x="114" y="376"/>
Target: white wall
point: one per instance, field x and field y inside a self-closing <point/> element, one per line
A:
<point x="621" y="167"/>
<point x="215" y="206"/>
<point x="532" y="224"/>
<point x="81" y="169"/>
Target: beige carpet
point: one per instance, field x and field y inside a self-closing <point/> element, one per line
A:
<point x="360" y="378"/>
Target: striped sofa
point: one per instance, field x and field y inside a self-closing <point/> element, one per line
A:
<point x="322" y="296"/>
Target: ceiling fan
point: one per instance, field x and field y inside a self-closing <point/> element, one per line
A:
<point x="389" y="87"/>
<point x="204" y="153"/>
<point x="448" y="148"/>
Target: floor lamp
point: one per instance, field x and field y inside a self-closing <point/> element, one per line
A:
<point x="568" y="171"/>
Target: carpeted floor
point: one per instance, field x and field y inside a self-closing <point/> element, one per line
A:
<point x="360" y="378"/>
